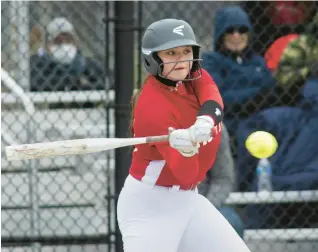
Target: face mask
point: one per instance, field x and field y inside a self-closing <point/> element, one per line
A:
<point x="64" y="53"/>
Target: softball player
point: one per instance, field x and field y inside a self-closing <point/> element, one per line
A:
<point x="159" y="208"/>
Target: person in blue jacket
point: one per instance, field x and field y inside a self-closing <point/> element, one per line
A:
<point x="294" y="164"/>
<point x="244" y="81"/>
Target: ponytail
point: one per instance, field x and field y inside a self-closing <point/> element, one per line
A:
<point x="133" y="102"/>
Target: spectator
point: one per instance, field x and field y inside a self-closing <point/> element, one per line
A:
<point x="297" y="65"/>
<point x="300" y="59"/>
<point x="295" y="163"/>
<point x="273" y="55"/>
<point x="220" y="182"/>
<point x="294" y="167"/>
<point x="289" y="12"/>
<point x="273" y="19"/>
<point x="298" y="62"/>
<point x="60" y="66"/>
<point x="241" y="75"/>
<point x="275" y="51"/>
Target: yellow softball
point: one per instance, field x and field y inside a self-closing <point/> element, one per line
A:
<point x="261" y="144"/>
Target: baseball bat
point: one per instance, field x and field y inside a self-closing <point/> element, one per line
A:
<point x="75" y="147"/>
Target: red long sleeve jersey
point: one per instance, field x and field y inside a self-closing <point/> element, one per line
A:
<point x="159" y="107"/>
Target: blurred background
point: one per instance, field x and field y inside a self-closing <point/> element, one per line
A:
<point x="68" y="70"/>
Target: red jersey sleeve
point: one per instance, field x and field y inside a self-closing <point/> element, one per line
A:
<point x="206" y="89"/>
<point x="209" y="97"/>
<point x="185" y="169"/>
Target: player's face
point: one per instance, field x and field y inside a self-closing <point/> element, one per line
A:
<point x="172" y="68"/>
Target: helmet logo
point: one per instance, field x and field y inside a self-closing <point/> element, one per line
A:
<point x="147" y="52"/>
<point x="178" y="30"/>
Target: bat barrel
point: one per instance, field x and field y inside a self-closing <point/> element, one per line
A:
<point x="50" y="149"/>
<point x="74" y="147"/>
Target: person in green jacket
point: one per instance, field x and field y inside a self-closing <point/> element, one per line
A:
<point x="299" y="60"/>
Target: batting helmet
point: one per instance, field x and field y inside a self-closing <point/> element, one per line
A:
<point x="166" y="34"/>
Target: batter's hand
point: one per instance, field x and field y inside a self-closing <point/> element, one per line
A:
<point x="201" y="130"/>
<point x="181" y="140"/>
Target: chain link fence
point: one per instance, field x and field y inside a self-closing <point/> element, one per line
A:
<point x="58" y="82"/>
<point x="62" y="203"/>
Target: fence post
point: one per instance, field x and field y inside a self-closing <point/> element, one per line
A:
<point x="20" y="41"/>
<point x="124" y="76"/>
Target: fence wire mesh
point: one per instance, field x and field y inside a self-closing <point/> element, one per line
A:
<point x="62" y="56"/>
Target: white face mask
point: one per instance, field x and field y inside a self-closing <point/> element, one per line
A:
<point x="64" y="53"/>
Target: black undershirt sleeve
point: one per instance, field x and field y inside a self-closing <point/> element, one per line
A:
<point x="213" y="109"/>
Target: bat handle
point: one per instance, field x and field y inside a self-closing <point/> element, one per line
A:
<point x="154" y="139"/>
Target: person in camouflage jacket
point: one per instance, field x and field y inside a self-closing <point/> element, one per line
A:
<point x="299" y="60"/>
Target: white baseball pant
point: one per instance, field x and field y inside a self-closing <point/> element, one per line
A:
<point x="157" y="219"/>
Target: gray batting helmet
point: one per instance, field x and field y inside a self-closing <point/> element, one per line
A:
<point x="166" y="34"/>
